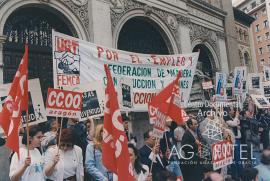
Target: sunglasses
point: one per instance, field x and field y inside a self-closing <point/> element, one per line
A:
<point x="68" y="145"/>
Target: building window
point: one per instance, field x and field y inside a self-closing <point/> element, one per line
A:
<point x="265" y="24"/>
<point x="264" y="11"/>
<point x="256" y="15"/>
<point x="257" y="28"/>
<point x="268" y="48"/>
<point x="261" y="51"/>
<point x="262" y="61"/>
<point x="258" y="39"/>
<point x="267" y="36"/>
<point x="253" y="5"/>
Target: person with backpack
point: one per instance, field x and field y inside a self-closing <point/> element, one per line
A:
<point x="93" y="158"/>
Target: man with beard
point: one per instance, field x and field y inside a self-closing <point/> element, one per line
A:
<point x="264" y="167"/>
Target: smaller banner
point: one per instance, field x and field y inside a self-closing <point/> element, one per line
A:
<point x="63" y="103"/>
<point x="159" y="125"/>
<point x="222" y="154"/>
<point x="254" y="81"/>
<point x="266" y="73"/>
<point x="260" y="101"/>
<point x="93" y="98"/>
<point x="221" y="83"/>
<point x="207" y="85"/>
<point x="36" y="109"/>
<point x="266" y="89"/>
<point x="229" y="91"/>
<point x="239" y="78"/>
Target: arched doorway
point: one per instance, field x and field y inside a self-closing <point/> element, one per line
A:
<point x="34" y="27"/>
<point x="142" y="36"/>
<point x="205" y="72"/>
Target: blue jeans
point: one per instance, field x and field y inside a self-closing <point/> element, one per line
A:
<point x="175" y="168"/>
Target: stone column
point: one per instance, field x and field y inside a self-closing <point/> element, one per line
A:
<point x="183" y="34"/>
<point x="231" y="41"/>
<point x="223" y="54"/>
<point x="100" y="22"/>
<point x="2" y="41"/>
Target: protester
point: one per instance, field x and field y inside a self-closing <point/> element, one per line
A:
<point x="50" y="136"/>
<point x="214" y="176"/>
<point x="264" y="166"/>
<point x="29" y="167"/>
<point x="2" y="141"/>
<point x="191" y="150"/>
<point x="131" y="138"/>
<point x="140" y="171"/>
<point x="249" y="174"/>
<point x="166" y="176"/>
<point x="90" y="126"/>
<point x="70" y="166"/>
<point x="178" y="135"/>
<point x="93" y="162"/>
<point x="151" y="154"/>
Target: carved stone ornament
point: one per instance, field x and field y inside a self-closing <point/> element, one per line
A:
<point x="80" y="9"/>
<point x="183" y="19"/>
<point x="121" y="7"/>
<point x="80" y="2"/>
<point x="206" y="35"/>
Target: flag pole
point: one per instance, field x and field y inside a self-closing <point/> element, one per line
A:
<point x="60" y="132"/>
<point x="27" y="131"/>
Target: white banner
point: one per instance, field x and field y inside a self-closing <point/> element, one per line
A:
<point x="78" y="62"/>
<point x="221" y="83"/>
<point x="36" y="109"/>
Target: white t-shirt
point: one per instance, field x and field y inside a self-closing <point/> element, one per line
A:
<point x="34" y="172"/>
<point x="70" y="163"/>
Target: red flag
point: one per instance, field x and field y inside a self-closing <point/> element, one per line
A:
<point x="167" y="102"/>
<point x="15" y="103"/>
<point x="115" y="155"/>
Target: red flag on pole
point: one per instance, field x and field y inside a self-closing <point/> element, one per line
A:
<point x="15" y="103"/>
<point x="115" y="155"/>
<point x="167" y="102"/>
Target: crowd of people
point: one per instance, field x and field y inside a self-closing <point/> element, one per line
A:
<point x="76" y="153"/>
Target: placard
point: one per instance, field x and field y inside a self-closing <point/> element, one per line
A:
<point x="63" y="103"/>
<point x="221" y="83"/>
<point x="260" y="101"/>
<point x="222" y="154"/>
<point x="36" y="109"/>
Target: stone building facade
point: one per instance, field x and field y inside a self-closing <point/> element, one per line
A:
<point x="245" y="39"/>
<point x="146" y="26"/>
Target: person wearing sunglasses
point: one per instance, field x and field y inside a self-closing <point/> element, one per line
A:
<point x="70" y="165"/>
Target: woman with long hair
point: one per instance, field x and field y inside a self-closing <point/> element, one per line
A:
<point x="30" y="167"/>
<point x="93" y="158"/>
<point x="70" y="166"/>
<point x="140" y="171"/>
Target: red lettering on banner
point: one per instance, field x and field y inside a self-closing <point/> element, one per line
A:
<point x="68" y="80"/>
<point x="169" y="60"/>
<point x="110" y="55"/>
<point x="143" y="97"/>
<point x="63" y="100"/>
<point x="65" y="45"/>
<point x="135" y="59"/>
